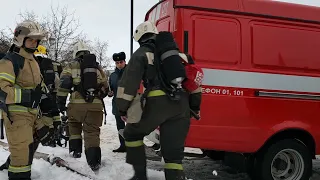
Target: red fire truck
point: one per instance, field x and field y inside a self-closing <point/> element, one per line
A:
<point x="261" y="90"/>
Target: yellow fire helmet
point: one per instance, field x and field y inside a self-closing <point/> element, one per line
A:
<point x="41" y="51"/>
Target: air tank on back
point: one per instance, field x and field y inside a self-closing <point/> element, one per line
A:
<point x="168" y="51"/>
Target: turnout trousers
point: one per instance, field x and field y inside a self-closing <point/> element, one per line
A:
<point x="86" y="117"/>
<point x="173" y="117"/>
<point x="20" y="131"/>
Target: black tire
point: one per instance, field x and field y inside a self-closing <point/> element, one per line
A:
<point x="265" y="158"/>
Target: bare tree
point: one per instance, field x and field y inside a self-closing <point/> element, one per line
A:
<point x="62" y="28"/>
<point x="63" y="32"/>
<point x="68" y="52"/>
<point x="5" y="41"/>
<point x="28" y="15"/>
<point x="99" y="48"/>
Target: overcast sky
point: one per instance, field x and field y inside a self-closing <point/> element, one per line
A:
<point x="107" y="19"/>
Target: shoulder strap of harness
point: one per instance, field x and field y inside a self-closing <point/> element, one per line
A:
<point x="17" y="61"/>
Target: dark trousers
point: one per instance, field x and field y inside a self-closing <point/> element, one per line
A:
<point x="173" y="117"/>
<point x="120" y="125"/>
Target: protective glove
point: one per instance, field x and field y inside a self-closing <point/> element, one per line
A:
<point x="45" y="135"/>
<point x="31" y="97"/>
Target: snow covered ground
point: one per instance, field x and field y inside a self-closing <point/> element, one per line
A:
<point x="114" y="166"/>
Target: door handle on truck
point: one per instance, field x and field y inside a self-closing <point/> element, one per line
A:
<point x="186" y="41"/>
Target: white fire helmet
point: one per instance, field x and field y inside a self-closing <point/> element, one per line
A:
<point x="144" y="28"/>
<point x="27" y="29"/>
<point x="78" y="47"/>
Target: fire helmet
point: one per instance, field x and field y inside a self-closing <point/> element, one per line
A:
<point x="144" y="28"/>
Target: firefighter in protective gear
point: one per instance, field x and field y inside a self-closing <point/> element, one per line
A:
<point x="21" y="89"/>
<point x="158" y="110"/>
<point x="83" y="115"/>
<point x="48" y="106"/>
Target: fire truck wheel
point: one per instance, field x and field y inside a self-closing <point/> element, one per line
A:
<point x="287" y="159"/>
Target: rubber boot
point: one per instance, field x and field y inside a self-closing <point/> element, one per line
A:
<point x="93" y="155"/>
<point x="75" y="146"/>
<point x="140" y="173"/>
<point x="121" y="149"/>
<point x="19" y="176"/>
<point x="171" y="174"/>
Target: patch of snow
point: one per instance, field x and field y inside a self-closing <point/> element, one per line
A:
<point x="113" y="167"/>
